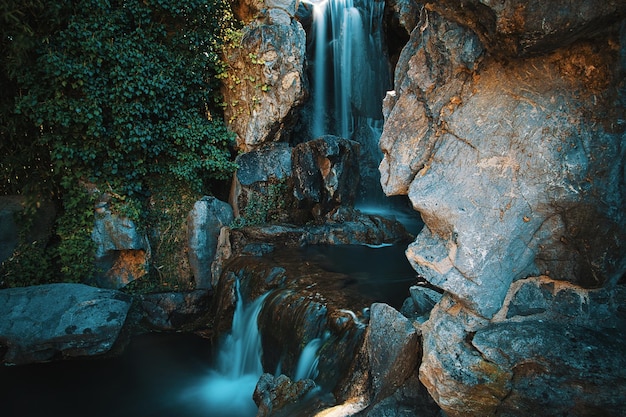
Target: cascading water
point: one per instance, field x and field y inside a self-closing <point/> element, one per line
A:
<point x="307" y="363"/>
<point x="227" y="390"/>
<point x="350" y="76"/>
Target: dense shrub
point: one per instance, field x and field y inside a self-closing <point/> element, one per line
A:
<point x="120" y="94"/>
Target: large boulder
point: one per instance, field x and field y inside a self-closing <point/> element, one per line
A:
<point x="508" y="138"/>
<point x="507" y="164"/>
<point x="326" y="173"/>
<point x="122" y="250"/>
<point x="388" y="356"/>
<point x="204" y="222"/>
<point x="265" y="82"/>
<point x="261" y="184"/>
<point x="274" y="393"/>
<point x="554" y="356"/>
<point x="56" y="321"/>
<point x="167" y="311"/>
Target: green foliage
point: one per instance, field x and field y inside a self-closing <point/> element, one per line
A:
<point x="24" y="158"/>
<point x="265" y="206"/>
<point x="121" y="94"/>
<point x="165" y="220"/>
<point x="130" y="90"/>
<point x="76" y="250"/>
<point x="30" y="264"/>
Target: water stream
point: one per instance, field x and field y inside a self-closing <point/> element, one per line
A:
<point x="227" y="389"/>
<point x="350" y="76"/>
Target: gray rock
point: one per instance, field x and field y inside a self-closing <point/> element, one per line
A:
<point x="266" y="82"/>
<point x="174" y="310"/>
<point x="454" y="373"/>
<point x="549" y="351"/>
<point x="393" y="349"/>
<point x="522" y="27"/>
<point x="389" y="355"/>
<point x="56" y="321"/>
<point x="288" y="6"/>
<point x="122" y="251"/>
<point x="272" y="161"/>
<point x="407" y="12"/>
<point x="508" y="183"/>
<point x="420" y="303"/>
<point x="557" y="369"/>
<point x="204" y="222"/>
<point x="261" y="190"/>
<point x="273" y="393"/>
<point x="326" y="173"/>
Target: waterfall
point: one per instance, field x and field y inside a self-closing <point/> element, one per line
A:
<point x="228" y="389"/>
<point x="348" y="59"/>
<point x="350" y="77"/>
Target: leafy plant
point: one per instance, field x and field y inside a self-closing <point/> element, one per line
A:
<point x="129" y="90"/>
<point x="264" y="206"/>
<point x="121" y="94"/>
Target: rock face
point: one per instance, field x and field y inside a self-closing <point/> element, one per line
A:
<point x="122" y="252"/>
<point x="326" y="173"/>
<point x="259" y="187"/>
<point x="204" y="222"/>
<point x="280" y="183"/>
<point x="388" y="356"/>
<point x="174" y="310"/>
<point x="275" y="393"/>
<point x="522" y="27"/>
<point x="266" y="82"/>
<point x="506" y="130"/>
<point x="54" y="321"/>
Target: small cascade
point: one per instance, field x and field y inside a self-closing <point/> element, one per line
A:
<point x="228" y="389"/>
<point x="307" y="363"/>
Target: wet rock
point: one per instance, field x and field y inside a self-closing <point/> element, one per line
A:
<point x="519" y="27"/>
<point x="305" y="302"/>
<point x="275" y="393"/>
<point x="204" y="223"/>
<point x="343" y="226"/>
<point x="393" y="349"/>
<point x="420" y="303"/>
<point x="406" y="13"/>
<point x="409" y="400"/>
<point x="260" y="188"/>
<point x="508" y="138"/>
<point x="326" y="173"/>
<point x="174" y="310"/>
<point x="565" y="369"/>
<point x="266" y="82"/>
<point x="388" y="356"/>
<point x="122" y="251"/>
<point x="455" y="374"/>
<point x="57" y="321"/>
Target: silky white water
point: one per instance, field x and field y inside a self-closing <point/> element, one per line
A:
<point x="350" y="75"/>
<point x="227" y="390"/>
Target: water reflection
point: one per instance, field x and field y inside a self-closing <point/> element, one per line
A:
<point x="148" y="380"/>
<point x="380" y="273"/>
